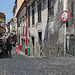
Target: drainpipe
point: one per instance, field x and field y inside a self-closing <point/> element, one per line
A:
<point x="48" y="9"/>
<point x="17" y="32"/>
<point x="19" y="38"/>
<point x="26" y="33"/>
<point x="26" y="25"/>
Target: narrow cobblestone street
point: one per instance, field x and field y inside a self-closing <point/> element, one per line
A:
<point x="37" y="37"/>
<point x="21" y="65"/>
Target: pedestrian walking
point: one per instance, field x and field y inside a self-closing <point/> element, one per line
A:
<point x="17" y="49"/>
<point x="9" y="46"/>
<point x="5" y="49"/>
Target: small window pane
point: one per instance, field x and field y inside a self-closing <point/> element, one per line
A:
<point x="33" y="15"/>
<point x="29" y="17"/>
<point x="39" y="12"/>
<point x="51" y="12"/>
<point x="51" y="8"/>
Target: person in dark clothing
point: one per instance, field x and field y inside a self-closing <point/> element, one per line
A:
<point x="9" y="46"/>
<point x="5" y="49"/>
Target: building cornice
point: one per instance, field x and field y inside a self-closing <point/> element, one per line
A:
<point x="14" y="8"/>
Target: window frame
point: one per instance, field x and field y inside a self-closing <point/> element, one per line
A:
<point x="51" y="8"/>
<point x="33" y="13"/>
<point x="39" y="11"/>
<point x="28" y="10"/>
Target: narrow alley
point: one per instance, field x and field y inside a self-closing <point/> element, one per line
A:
<point x="37" y="37"/>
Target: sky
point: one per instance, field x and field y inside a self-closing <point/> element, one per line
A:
<point x="6" y="6"/>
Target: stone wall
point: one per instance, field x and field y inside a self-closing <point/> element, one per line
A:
<point x="52" y="29"/>
<point x="54" y="45"/>
<point x="71" y="10"/>
<point x="37" y="27"/>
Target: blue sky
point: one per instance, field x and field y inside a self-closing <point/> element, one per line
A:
<point x="6" y="6"/>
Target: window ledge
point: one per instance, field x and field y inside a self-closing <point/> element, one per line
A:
<point x="28" y="27"/>
<point x="39" y="23"/>
<point x="33" y="25"/>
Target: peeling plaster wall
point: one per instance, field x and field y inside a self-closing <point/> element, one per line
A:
<point x="54" y="45"/>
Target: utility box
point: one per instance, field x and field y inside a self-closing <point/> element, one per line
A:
<point x="28" y="50"/>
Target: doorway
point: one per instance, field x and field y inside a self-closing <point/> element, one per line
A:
<point x="40" y="42"/>
<point x="32" y="46"/>
<point x="23" y="45"/>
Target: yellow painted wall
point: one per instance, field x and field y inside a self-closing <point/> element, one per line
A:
<point x="20" y="3"/>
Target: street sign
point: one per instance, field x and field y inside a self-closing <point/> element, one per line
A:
<point x="64" y="16"/>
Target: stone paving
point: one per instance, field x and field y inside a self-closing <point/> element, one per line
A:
<point x="57" y="66"/>
<point x="22" y="65"/>
<point x="18" y="65"/>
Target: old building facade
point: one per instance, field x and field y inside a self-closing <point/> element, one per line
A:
<point x="60" y="39"/>
<point x="10" y="26"/>
<point x="43" y="28"/>
<point x="22" y="26"/>
<point x="46" y="32"/>
<point x="71" y="28"/>
<point x="47" y="35"/>
<point x="37" y="15"/>
<point x="17" y="6"/>
<point x="2" y="18"/>
<point x="21" y="20"/>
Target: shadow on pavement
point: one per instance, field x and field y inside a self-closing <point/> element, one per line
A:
<point x="2" y="55"/>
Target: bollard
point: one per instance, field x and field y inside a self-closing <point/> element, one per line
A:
<point x="25" y="51"/>
<point x="28" y="50"/>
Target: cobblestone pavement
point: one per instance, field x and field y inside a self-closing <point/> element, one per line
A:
<point x="57" y="66"/>
<point x="21" y="65"/>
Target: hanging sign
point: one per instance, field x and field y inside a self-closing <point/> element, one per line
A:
<point x="64" y="16"/>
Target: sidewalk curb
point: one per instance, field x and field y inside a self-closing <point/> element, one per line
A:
<point x="68" y="55"/>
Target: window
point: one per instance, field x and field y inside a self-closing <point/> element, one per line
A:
<point x="39" y="12"/>
<point x="33" y="15"/>
<point x="22" y="20"/>
<point x="72" y="12"/>
<point x="18" y="24"/>
<point x="29" y="17"/>
<point x="51" y="8"/>
<point x="23" y="30"/>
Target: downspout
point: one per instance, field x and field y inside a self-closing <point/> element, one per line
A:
<point x="19" y="38"/>
<point x="17" y="32"/>
<point x="48" y="9"/>
<point x="26" y="26"/>
<point x="26" y="33"/>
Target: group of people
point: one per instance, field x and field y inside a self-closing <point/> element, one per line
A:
<point x="6" y="47"/>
